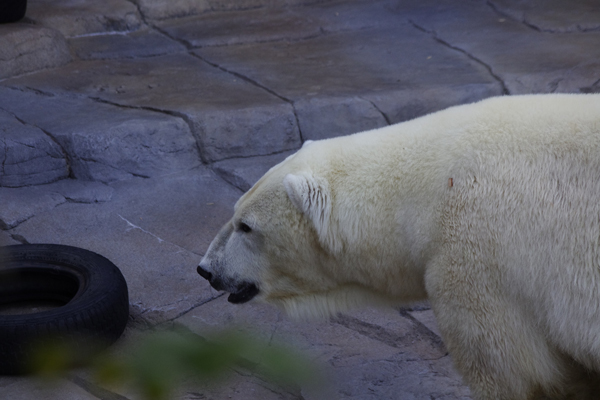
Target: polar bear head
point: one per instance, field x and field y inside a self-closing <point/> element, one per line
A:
<point x="302" y="238"/>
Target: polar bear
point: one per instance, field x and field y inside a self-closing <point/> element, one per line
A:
<point x="490" y="210"/>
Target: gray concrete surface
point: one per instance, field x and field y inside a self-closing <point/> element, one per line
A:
<point x="131" y="127"/>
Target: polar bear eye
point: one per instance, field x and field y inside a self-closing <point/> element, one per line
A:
<point x="244" y="227"/>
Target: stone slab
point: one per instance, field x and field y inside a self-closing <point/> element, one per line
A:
<point x="267" y="24"/>
<point x="20" y="204"/>
<point x="141" y="43"/>
<point x="251" y="122"/>
<point x="245" y="172"/>
<point x="80" y="17"/>
<point x="322" y="118"/>
<point x="347" y="63"/>
<point x="26" y="48"/>
<point x="105" y="142"/>
<point x="553" y="16"/>
<point x="341" y="77"/>
<point x="235" y="27"/>
<point x="524" y="59"/>
<point x="27" y="155"/>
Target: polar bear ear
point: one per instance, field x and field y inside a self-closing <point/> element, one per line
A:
<point x="311" y="197"/>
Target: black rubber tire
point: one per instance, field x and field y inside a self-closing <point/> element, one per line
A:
<point x="12" y="10"/>
<point x="92" y="289"/>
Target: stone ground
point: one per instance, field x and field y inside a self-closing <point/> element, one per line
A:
<point x="130" y="128"/>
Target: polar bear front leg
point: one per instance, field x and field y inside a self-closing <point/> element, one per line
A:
<point x="498" y="350"/>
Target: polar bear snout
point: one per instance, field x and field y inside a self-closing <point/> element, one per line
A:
<point x="240" y="292"/>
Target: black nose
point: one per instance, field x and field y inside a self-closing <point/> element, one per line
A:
<point x="204" y="273"/>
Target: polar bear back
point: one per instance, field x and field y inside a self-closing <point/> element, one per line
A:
<point x="525" y="198"/>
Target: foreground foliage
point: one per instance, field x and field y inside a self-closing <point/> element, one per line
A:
<point x="162" y="360"/>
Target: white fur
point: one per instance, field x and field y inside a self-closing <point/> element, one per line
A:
<point x="490" y="210"/>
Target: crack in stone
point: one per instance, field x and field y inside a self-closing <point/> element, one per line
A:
<point x="185" y="118"/>
<point x="231" y="72"/>
<point x="164" y="307"/>
<point x="297" y="122"/>
<point x="29" y="89"/>
<point x="506" y="15"/>
<point x="244" y="78"/>
<point x="34" y="90"/>
<point x="392" y="339"/>
<point x="13" y="224"/>
<point x="193" y="307"/>
<point x="153" y="323"/>
<point x="435" y="36"/>
<point x="66" y="155"/>
<point x="156" y="28"/>
<point x="537" y="28"/>
<point x="553" y="85"/>
<point x="593" y="88"/>
<point x="586" y="30"/>
<point x="224" y="174"/>
<point x="370" y="330"/>
<point x="95" y="390"/>
<point x="424" y="330"/>
<point x="258" y="85"/>
<point x="73" y="201"/>
<point x="142" y="16"/>
<point x="133" y="226"/>
<point x="385" y="117"/>
<point x="19" y="238"/>
<point x="160" y="240"/>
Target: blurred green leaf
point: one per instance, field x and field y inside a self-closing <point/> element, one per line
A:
<point x="159" y="362"/>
